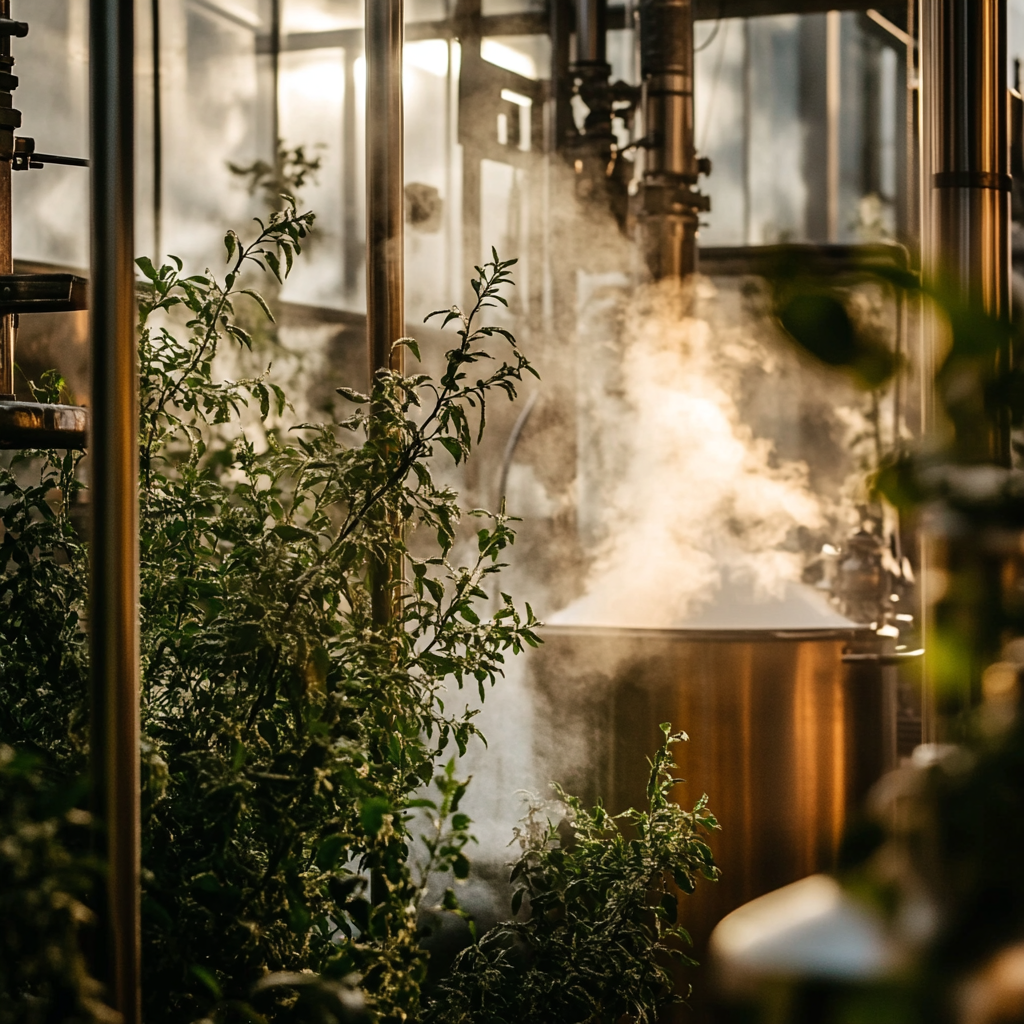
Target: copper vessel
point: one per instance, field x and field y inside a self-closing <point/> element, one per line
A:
<point x="785" y="737"/>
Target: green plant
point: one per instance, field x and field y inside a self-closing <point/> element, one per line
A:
<point x="288" y="736"/>
<point x="939" y="852"/>
<point x="44" y="885"/>
<point x="596" y="914"/>
<point x="284" y="177"/>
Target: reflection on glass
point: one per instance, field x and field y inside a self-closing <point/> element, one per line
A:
<point x="528" y="56"/>
<point x="320" y="15"/>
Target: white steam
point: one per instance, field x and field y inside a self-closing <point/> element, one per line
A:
<point x="700" y="526"/>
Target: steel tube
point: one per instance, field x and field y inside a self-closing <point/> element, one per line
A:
<point x="591" y="31"/>
<point x="7" y="128"/>
<point x="670" y="209"/>
<point x="385" y="279"/>
<point x="967" y="173"/>
<point x="385" y="227"/>
<point x="114" y="596"/>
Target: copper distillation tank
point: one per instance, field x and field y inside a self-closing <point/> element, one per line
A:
<point x="791" y="725"/>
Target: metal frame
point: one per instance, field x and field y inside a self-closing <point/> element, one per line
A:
<point x="114" y="592"/>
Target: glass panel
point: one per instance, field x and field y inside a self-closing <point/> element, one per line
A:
<point x="427" y="10"/>
<point x="491" y="7"/>
<point x="211" y="119"/>
<point x="311" y="94"/>
<point x="320" y="15"/>
<point x="1015" y="42"/>
<point x="763" y="116"/>
<point x="429" y="175"/>
<point x="528" y="56"/>
<point x="51" y="206"/>
<point x="719" y="116"/>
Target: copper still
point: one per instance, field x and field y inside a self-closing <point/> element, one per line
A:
<point x="788" y="730"/>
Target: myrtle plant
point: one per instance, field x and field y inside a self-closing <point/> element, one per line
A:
<point x="595" y="923"/>
<point x="290" y="735"/>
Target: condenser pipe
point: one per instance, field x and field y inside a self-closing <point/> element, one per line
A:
<point x="113" y="462"/>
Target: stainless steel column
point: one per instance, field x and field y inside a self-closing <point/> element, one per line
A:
<point x="965" y="222"/>
<point x="113" y="464"/>
<point x="966" y="149"/>
<point x="385" y="279"/>
<point x="385" y="227"/>
<point x="10" y="120"/>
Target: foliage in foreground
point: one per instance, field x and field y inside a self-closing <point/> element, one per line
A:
<point x="289" y="735"/>
<point x="600" y="928"/>
<point x="43" y="889"/>
<point x="940" y="851"/>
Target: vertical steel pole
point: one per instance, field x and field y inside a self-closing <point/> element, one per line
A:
<point x="385" y="278"/>
<point x="967" y="173"/>
<point x="965" y="220"/>
<point x="385" y="218"/>
<point x="833" y="89"/>
<point x="114" y="597"/>
<point x="9" y="121"/>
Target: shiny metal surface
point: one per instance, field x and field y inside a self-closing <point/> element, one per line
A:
<point x="784" y="738"/>
<point x="8" y="321"/>
<point x="966" y="147"/>
<point x="34" y="425"/>
<point x="670" y="205"/>
<point x="965" y="249"/>
<point x="114" y="593"/>
<point x="385" y="312"/>
<point x="591" y="29"/>
<point x="385" y="226"/>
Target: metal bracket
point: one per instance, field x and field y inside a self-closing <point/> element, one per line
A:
<point x="27" y="159"/>
<point x="42" y="293"/>
<point x="36" y="425"/>
<point x="19" y="29"/>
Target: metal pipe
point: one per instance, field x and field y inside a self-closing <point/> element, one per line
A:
<point x="114" y="595"/>
<point x="385" y="228"/>
<point x="967" y="174"/>
<point x="591" y="32"/>
<point x="158" y="135"/>
<point x="671" y="206"/>
<point x="10" y="119"/>
<point x="833" y="97"/>
<point x="385" y="312"/>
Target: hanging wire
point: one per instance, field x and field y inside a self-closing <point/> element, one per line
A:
<point x="711" y="37"/>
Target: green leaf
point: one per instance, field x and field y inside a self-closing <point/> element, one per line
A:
<point x="288" y="532"/>
<point x="260" y="301"/>
<point x="371" y="814"/>
<point x="208" y="980"/>
<point x="145" y="264"/>
<point x="353" y="396"/>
